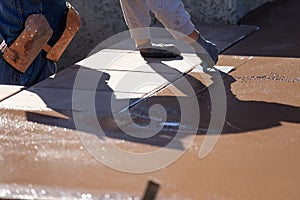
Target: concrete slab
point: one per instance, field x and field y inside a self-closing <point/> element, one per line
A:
<point x="264" y="135"/>
<point x="108" y="80"/>
<point x="264" y="66"/>
<point x="279" y="33"/>
<point x="224" y="36"/>
<point x="130" y="60"/>
<point x="50" y="99"/>
<point x="127" y="78"/>
<point x="269" y="79"/>
<point x="8" y="90"/>
<point x="234" y="61"/>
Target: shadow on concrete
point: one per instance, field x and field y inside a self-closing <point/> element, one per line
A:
<point x="241" y="117"/>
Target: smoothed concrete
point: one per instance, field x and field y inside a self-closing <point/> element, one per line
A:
<point x="8" y="91"/>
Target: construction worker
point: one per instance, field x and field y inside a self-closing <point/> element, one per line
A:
<point x="172" y="14"/>
<point x="29" y="28"/>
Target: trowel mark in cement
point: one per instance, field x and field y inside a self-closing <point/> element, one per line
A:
<point x="272" y="76"/>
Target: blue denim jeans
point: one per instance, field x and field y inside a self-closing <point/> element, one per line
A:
<point x="13" y="14"/>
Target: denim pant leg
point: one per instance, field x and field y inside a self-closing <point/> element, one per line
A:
<point x="8" y="75"/>
<point x="55" y="13"/>
<point x="13" y="14"/>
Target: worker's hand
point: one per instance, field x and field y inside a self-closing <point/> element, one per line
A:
<point x="206" y="51"/>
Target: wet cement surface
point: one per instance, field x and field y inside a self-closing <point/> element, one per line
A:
<point x="256" y="157"/>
